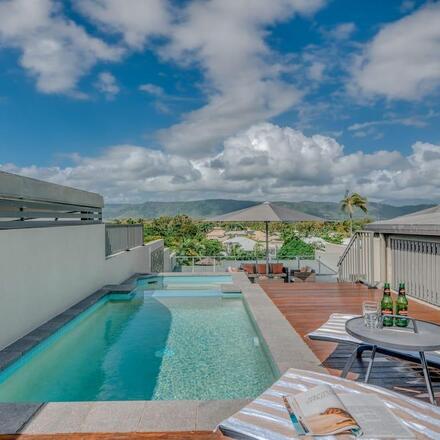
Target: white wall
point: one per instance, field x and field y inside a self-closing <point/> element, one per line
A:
<point x="43" y="271"/>
<point x="331" y="255"/>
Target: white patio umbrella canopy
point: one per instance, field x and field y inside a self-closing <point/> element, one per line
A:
<point x="267" y="212"/>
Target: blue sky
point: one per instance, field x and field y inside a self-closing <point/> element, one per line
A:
<point x="178" y="100"/>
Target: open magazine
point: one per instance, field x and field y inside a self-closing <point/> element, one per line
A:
<point x="320" y="411"/>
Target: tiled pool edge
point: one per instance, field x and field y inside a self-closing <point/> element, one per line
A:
<point x="285" y="346"/>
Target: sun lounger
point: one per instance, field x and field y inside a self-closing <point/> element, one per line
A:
<point x="267" y="418"/>
<point x="334" y="331"/>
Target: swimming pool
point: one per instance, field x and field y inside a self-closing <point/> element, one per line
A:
<point x="150" y="345"/>
<point x="196" y="282"/>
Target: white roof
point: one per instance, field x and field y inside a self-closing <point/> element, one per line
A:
<point x="246" y="243"/>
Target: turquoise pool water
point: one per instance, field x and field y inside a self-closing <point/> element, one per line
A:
<point x="194" y="282"/>
<point x="154" y="346"/>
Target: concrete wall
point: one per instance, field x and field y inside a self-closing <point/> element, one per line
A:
<point x="169" y="260"/>
<point x="43" y="271"/>
<point x="331" y="255"/>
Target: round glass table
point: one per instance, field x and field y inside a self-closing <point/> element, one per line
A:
<point x="419" y="336"/>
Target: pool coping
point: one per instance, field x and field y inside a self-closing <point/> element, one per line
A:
<point x="285" y="347"/>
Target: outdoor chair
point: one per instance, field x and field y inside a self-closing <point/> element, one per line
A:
<point x="305" y="275"/>
<point x="261" y="269"/>
<point x="267" y="418"/>
<point x="334" y="331"/>
<point x="277" y="270"/>
<point x="249" y="269"/>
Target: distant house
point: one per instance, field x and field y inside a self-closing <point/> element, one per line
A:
<point x="216" y="234"/>
<point x="237" y="233"/>
<point x="245" y="243"/>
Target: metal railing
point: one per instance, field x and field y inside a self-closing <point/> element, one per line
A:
<point x="416" y="262"/>
<point x="357" y="261"/>
<point x="221" y="263"/>
<point x="120" y="238"/>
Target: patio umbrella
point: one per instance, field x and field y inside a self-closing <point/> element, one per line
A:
<point x="267" y="212"/>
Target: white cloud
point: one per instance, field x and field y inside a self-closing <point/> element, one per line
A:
<point x="342" y="31"/>
<point x="54" y="50"/>
<point x="136" y="20"/>
<point x="316" y="71"/>
<point x="107" y="84"/>
<point x="407" y="5"/>
<point x="409" y="122"/>
<point x="121" y="173"/>
<point x="226" y="39"/>
<point x="403" y="59"/>
<point x="152" y="89"/>
<point x="264" y="162"/>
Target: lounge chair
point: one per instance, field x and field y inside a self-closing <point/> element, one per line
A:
<point x="334" y="331"/>
<point x="267" y="418"/>
<point x="304" y="274"/>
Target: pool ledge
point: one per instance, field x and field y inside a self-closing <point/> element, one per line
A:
<point x="285" y="347"/>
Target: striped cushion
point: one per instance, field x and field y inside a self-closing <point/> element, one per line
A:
<point x="267" y="418"/>
<point x="334" y="330"/>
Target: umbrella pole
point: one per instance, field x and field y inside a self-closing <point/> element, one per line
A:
<point x="267" y="248"/>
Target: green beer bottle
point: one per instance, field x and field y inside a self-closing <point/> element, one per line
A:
<point x="402" y="306"/>
<point x="386" y="306"/>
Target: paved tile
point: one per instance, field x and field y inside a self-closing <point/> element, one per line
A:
<point x="40" y="333"/>
<point x="284" y="344"/>
<point x="8" y="357"/>
<point x="59" y="320"/>
<point x="113" y="417"/>
<point x="59" y="417"/>
<point x="178" y="415"/>
<point x="211" y="412"/>
<point x="13" y="416"/>
<point x="22" y="345"/>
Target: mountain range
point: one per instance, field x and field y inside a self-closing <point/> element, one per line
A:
<point x="211" y="207"/>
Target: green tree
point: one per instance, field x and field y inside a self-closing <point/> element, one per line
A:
<point x="350" y="202"/>
<point x="211" y="248"/>
<point x="295" y="247"/>
<point x="189" y="247"/>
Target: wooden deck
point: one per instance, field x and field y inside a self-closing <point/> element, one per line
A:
<point x="308" y="305"/>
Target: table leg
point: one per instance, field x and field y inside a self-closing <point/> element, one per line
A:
<point x="427" y="378"/>
<point x="349" y="363"/>
<point x="370" y="364"/>
<point x="357" y="352"/>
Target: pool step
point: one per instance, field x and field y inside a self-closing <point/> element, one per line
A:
<point x="230" y="290"/>
<point x="120" y="292"/>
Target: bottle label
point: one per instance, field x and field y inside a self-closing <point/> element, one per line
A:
<point x="387" y="312"/>
<point x="403" y="312"/>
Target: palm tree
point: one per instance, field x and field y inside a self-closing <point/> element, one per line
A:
<point x="350" y="202"/>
